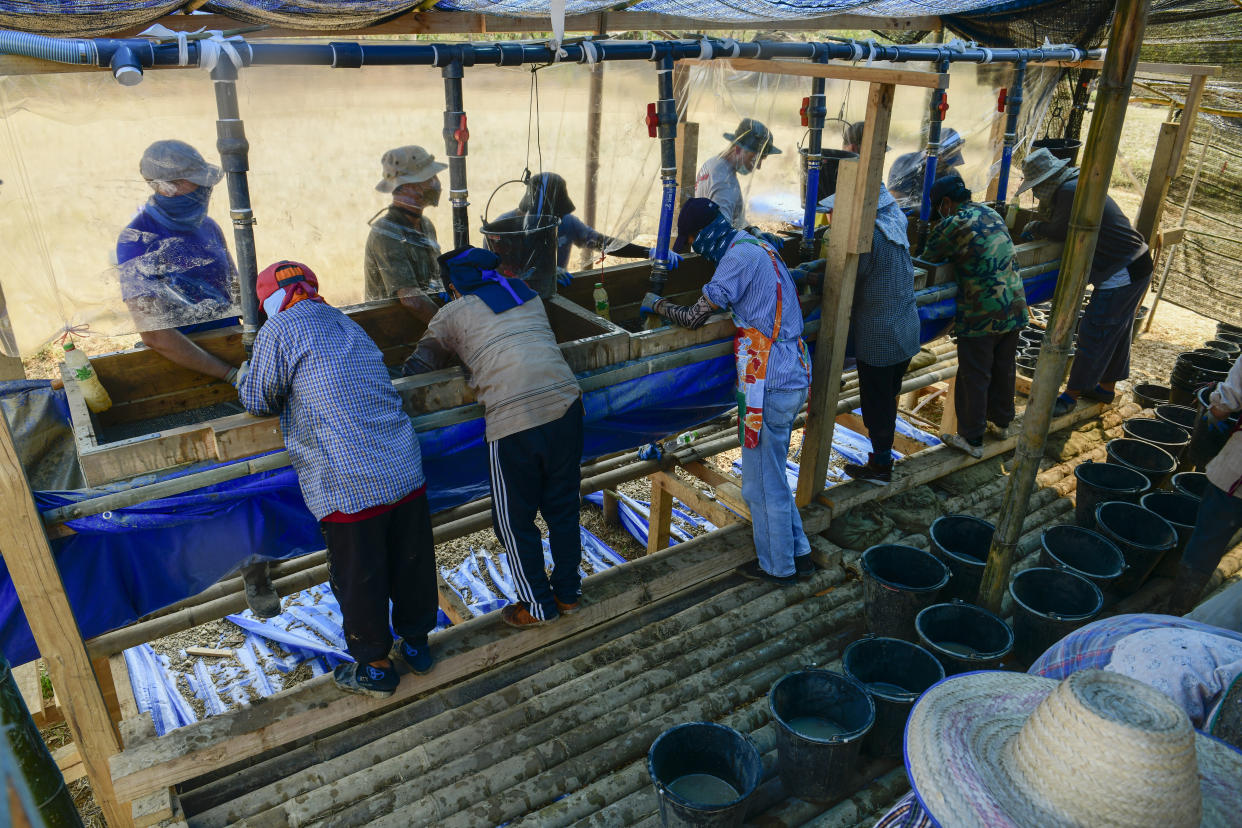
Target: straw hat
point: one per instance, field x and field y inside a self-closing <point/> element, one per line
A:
<point x="1002" y="749"/>
<point x="1038" y="167"/>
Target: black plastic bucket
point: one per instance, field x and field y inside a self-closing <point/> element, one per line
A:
<point x="1048" y="605"/>
<point x="1153" y="462"/>
<point x="1167" y="436"/>
<point x="1182" y="416"/>
<point x="1082" y="552"/>
<point x="1229" y="336"/>
<point x="528" y="252"/>
<point x="964" y="637"/>
<point x="1191" y="484"/>
<point x="1191" y="371"/>
<point x="962" y="542"/>
<point x="1063" y="148"/>
<point x="1206" y="441"/>
<point x="1181" y="511"/>
<point x="894" y="673"/>
<point x="1141" y="535"/>
<point x="1150" y="395"/>
<point x="698" y="761"/>
<point x="1224" y="346"/>
<point x="821" y="719"/>
<point x="1225" y="328"/>
<point x="899" y="581"/>
<point x="830" y="161"/>
<point x="1101" y="482"/>
<point x="1026" y="365"/>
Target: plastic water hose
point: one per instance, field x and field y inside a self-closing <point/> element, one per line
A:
<point x="76" y="51"/>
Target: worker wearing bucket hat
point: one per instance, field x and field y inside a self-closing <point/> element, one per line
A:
<point x="359" y="468"/>
<point x="1007" y="750"/>
<point x="176" y="274"/>
<point x="1120" y="274"/>
<point x="749" y="144"/>
<point x="401" y="251"/>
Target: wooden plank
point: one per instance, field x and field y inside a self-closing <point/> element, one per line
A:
<point x="697" y="501"/>
<point x="612" y="510"/>
<point x="730" y="494"/>
<point x="69" y="759"/>
<point x="839" y="71"/>
<point x="451" y="603"/>
<point x="1144" y="68"/>
<point x="27" y="678"/>
<point x="1172" y="236"/>
<point x="1148" y="221"/>
<point x="687" y="142"/>
<point x="103" y="673"/>
<point x="708" y="473"/>
<point x="853" y="223"/>
<point x="220" y="741"/>
<point x="948" y="413"/>
<point x="660" y="518"/>
<point x="1186" y="125"/>
<point x="124" y="687"/>
<point x="154" y="808"/>
<point x="162" y="450"/>
<point x="209" y="652"/>
<point x="37" y="583"/>
<point x="79" y="413"/>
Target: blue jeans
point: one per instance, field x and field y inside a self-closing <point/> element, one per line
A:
<point x="1220" y="517"/>
<point x="774" y="516"/>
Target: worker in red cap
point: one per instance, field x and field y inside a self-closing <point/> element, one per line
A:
<point x="360" y="470"/>
<point x="773" y="370"/>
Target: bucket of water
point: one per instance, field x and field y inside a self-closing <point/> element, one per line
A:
<point x="1048" y="605"/>
<point x="894" y="673"/>
<point x="1153" y="462"/>
<point x="1082" y="552"/>
<point x="526" y="245"/>
<point x="1191" y="484"/>
<point x="703" y="773"/>
<point x="821" y="719"/>
<point x="898" y="582"/>
<point x="1101" y="482"/>
<point x="1063" y="148"/>
<point x="962" y="542"/>
<point x="1182" y="416"/>
<point x="1142" y="536"/>
<point x="1181" y="511"/>
<point x="964" y="637"/>
<point x="1167" y="436"/>
<point x="1207" y="438"/>
<point x="1150" y="395"/>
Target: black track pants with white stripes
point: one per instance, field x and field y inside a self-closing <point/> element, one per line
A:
<point x="537" y="471"/>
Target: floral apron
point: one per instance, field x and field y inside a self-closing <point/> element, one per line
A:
<point x="751" y="351"/>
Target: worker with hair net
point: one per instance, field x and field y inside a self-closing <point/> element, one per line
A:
<point x="749" y="144"/>
<point x="905" y="177"/>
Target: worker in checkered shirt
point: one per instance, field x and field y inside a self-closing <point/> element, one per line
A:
<point x="359" y="468"/>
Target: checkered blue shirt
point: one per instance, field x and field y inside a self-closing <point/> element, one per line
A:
<point x="352" y="445"/>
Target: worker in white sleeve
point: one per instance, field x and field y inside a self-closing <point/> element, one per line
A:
<point x="748" y="146"/>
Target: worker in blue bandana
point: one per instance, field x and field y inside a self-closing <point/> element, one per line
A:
<point x="773" y="369"/>
<point x="532" y="411"/>
<point x="360" y="470"/>
<point x="176" y="274"/>
<point x="547" y="194"/>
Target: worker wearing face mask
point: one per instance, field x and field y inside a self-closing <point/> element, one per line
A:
<point x="400" y="260"/>
<point x="774" y="373"/>
<point x="1120" y="274"/>
<point x="176" y="274"/>
<point x="748" y="146"/>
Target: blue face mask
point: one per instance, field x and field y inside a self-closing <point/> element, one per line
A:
<point x="181" y="212"/>
<point x="712" y="242"/>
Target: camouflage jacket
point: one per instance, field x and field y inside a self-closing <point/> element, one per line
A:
<point x="401" y="253"/>
<point x="990" y="298"/>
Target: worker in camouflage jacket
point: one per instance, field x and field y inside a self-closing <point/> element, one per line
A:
<point x="991" y="309"/>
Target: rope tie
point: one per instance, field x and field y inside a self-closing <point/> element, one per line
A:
<point x="705" y="49"/>
<point x="210" y="49"/>
<point x="590" y="54"/>
<point x="987" y="55"/>
<point x="871" y="46"/>
<point x="557" y="9"/>
<point x="732" y="45"/>
<point x="70" y="331"/>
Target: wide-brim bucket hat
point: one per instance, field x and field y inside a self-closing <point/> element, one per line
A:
<point x="407" y="165"/>
<point x="1010" y="750"/>
<point x="754" y="136"/>
<point x="1040" y="166"/>
<point x="174" y="160"/>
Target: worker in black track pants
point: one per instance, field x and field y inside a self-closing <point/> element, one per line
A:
<point x="532" y="407"/>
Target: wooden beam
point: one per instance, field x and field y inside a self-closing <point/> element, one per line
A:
<point x="220" y="741"/>
<point x="853" y="222"/>
<point x="660" y="517"/>
<point x="36" y="580"/>
<point x="1186" y="125"/>
<point x="697" y="501"/>
<point x="1158" y="178"/>
<point x="1181" y="69"/>
<point x="839" y="71"/>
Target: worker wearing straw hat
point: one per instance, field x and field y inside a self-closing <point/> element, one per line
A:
<point x="1007" y="750"/>
<point x="1120" y="273"/>
<point x="749" y="144"/>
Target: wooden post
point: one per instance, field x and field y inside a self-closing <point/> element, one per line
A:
<point x="853" y="221"/>
<point x="687" y="136"/>
<point x="1112" y="99"/>
<point x="595" y="115"/>
<point x="660" y="521"/>
<point x="42" y="594"/>
<point x="948" y="411"/>
<point x="1171" y="150"/>
<point x="612" y="510"/>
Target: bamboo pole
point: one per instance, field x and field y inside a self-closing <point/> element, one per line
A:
<point x="1112" y="99"/>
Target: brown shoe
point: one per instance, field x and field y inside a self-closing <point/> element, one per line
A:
<point x="565" y="609"/>
<point x="516" y="615"/>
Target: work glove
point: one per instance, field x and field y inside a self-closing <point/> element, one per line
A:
<point x="649" y="304"/>
<point x="810" y="274"/>
<point x="236" y="376"/>
<point x="1028" y="232"/>
<point x="651" y="451"/>
<point x="1215" y="422"/>
<point x="563" y="277"/>
<point x="674" y="259"/>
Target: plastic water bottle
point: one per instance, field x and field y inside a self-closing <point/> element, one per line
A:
<point x="96" y="395"/>
<point x="686" y="438"/>
<point x="601" y="301"/>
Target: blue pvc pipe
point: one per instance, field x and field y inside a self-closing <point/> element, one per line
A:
<point x="1014" y="108"/>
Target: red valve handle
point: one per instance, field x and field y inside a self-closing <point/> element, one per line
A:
<point x="806" y="119"/>
<point x="1001" y="100"/>
<point x="652" y="120"/>
<point x="943" y="106"/>
<point x="462" y="135"/>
